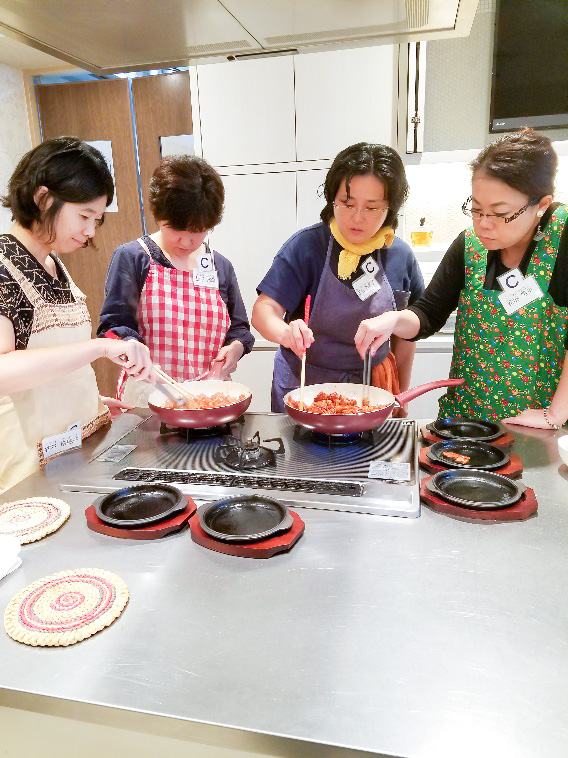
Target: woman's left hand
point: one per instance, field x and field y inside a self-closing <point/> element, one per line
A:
<point x="533" y="417"/>
<point x="116" y="407"/>
<point x="225" y="362"/>
<point x="374" y="332"/>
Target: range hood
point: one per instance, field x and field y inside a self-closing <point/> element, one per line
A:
<point x="111" y="36"/>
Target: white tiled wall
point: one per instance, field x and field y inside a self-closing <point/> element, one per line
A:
<point x="458" y="88"/>
<point x="15" y="137"/>
<point x="438" y="187"/>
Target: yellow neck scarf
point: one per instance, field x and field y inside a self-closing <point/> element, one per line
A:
<point x="352" y="251"/>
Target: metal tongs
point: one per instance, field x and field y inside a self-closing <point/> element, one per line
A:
<point x="170" y="393"/>
<point x="172" y="389"/>
<point x="165" y="384"/>
<point x="367" y="377"/>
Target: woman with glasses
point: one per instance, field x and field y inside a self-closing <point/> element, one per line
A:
<point x="353" y="267"/>
<point x="170" y="291"/>
<point x="57" y="197"/>
<point x="508" y="278"/>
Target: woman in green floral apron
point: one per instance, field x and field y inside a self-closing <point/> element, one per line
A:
<point x="508" y="277"/>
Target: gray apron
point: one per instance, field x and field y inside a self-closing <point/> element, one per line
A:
<point x="335" y="317"/>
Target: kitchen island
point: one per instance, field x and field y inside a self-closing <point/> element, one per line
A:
<point x="423" y="638"/>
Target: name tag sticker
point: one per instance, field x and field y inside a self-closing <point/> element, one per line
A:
<point x="365" y="286"/>
<point x="518" y="291"/>
<point x="206" y="279"/>
<point x="59" y="443"/>
<point x="205" y="263"/>
<point x="398" y="472"/>
<point x="370" y="266"/>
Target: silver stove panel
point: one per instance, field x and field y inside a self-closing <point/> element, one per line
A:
<point x="304" y="460"/>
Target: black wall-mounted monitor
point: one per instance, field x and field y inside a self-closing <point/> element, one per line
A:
<point x="530" y="65"/>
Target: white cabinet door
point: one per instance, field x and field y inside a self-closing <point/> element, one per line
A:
<point x="428" y="367"/>
<point x="343" y="97"/>
<point x="260" y="215"/>
<point x="255" y="371"/>
<point x="247" y="111"/>
<point x="310" y="196"/>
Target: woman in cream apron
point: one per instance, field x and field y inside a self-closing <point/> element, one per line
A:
<point x="47" y="384"/>
<point x="28" y="417"/>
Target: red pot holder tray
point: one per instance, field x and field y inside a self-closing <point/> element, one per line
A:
<point x="262" y="549"/>
<point x="150" y="532"/>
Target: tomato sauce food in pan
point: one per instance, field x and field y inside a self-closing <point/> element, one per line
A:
<point x="333" y="404"/>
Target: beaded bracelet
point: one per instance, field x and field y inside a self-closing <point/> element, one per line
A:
<point x="548" y="421"/>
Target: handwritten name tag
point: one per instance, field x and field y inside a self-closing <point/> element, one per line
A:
<point x="518" y="291"/>
<point x="365" y="286"/>
<point x="59" y="443"/>
<point x="206" y="279"/>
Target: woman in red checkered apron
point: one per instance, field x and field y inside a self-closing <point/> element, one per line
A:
<point x="171" y="291"/>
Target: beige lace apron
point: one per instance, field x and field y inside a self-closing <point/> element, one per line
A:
<point x="27" y="417"/>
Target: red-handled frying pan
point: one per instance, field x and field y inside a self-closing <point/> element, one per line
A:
<point x="206" y="417"/>
<point x="355" y="422"/>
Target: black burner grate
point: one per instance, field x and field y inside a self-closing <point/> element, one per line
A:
<point x="287" y="483"/>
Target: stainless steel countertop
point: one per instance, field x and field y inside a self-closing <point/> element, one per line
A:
<point x="421" y="638"/>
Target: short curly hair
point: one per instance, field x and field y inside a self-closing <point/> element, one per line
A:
<point x="70" y="169"/>
<point x="365" y="159"/>
<point x="186" y="193"/>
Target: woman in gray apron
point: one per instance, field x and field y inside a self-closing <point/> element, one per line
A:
<point x="353" y="267"/>
<point x="57" y="195"/>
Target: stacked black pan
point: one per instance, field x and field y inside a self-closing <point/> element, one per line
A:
<point x="472" y="482"/>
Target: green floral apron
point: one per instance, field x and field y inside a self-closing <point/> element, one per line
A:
<point x="509" y="363"/>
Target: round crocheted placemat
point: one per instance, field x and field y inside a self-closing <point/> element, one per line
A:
<point x="66" y="607"/>
<point x="31" y="519"/>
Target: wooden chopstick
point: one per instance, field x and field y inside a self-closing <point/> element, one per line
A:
<point x="302" y="381"/>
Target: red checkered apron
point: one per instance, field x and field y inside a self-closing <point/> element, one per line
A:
<point x="184" y="326"/>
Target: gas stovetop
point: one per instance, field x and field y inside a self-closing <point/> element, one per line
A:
<point x="373" y="473"/>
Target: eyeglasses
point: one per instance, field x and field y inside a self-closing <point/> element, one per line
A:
<point x="349" y="209"/>
<point x="496" y="218"/>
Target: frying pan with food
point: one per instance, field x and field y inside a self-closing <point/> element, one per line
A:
<point x="480" y="455"/>
<point x="239" y="395"/>
<point x="356" y="422"/>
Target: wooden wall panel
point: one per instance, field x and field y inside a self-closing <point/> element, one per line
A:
<point x="163" y="107"/>
<point x="98" y="111"/>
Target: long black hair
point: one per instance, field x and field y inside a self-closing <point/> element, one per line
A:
<point x="364" y="159"/>
<point x="71" y="170"/>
